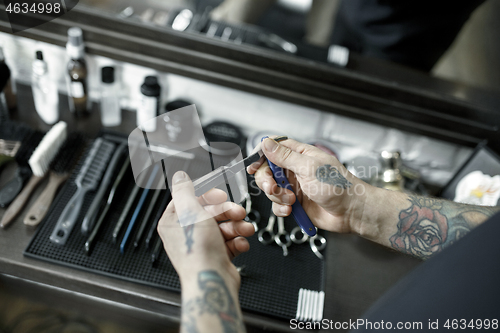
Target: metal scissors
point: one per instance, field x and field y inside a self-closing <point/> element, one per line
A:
<point x="266" y="235"/>
<point x="282" y="238"/>
<point x="253" y="216"/>
<point x="317" y="242"/>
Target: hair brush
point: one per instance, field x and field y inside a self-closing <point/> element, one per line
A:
<point x="60" y="169"/>
<point x="39" y="162"/>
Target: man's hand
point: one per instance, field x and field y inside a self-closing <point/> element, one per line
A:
<point x="335" y="200"/>
<point x="331" y="196"/>
<point x="206" y="244"/>
<point x="201" y="254"/>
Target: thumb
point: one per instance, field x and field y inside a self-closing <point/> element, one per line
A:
<point x="286" y="158"/>
<point x="186" y="204"/>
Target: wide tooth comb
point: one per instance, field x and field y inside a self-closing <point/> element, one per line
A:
<point x="86" y="180"/>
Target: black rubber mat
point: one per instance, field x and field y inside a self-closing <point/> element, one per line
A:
<point x="270" y="284"/>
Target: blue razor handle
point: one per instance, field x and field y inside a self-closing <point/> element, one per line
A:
<point x="298" y="212"/>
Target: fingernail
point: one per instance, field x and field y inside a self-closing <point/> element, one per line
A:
<point x="284" y="209"/>
<point x="270" y="145"/>
<point x="179" y="176"/>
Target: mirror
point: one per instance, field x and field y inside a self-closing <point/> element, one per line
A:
<point x="327" y="30"/>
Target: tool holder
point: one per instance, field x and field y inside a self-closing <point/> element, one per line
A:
<point x="270" y="285"/>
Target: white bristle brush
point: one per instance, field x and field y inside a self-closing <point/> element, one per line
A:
<point x="39" y="162"/>
<point x="47" y="149"/>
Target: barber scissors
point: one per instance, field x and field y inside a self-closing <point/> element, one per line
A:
<point x="282" y="238"/>
<point x="317" y="242"/>
<point x="266" y="235"/>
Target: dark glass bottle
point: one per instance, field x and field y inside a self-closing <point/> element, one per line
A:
<point x="77" y="71"/>
<point x="149" y="104"/>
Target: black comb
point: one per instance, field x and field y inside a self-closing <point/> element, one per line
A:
<point x="60" y="169"/>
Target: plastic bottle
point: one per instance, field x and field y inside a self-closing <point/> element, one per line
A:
<point x="45" y="92"/>
<point x="77" y="71"/>
<point x="110" y="104"/>
<point x="149" y="104"/>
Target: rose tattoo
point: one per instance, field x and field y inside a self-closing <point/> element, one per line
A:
<point x="422" y="231"/>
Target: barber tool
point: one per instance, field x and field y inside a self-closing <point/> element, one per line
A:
<point x="298" y="212"/>
<point x="10" y="191"/>
<point x="91" y="215"/>
<point x="156" y="252"/>
<point x="275" y="42"/>
<point x="182" y="20"/>
<point x="39" y="164"/>
<point x="126" y="209"/>
<point x="60" y="168"/>
<point x="87" y="180"/>
<point x="118" y="181"/>
<point x="310" y="305"/>
<point x="146" y="217"/>
<point x="317" y="243"/>
<point x="252" y="216"/>
<point x="212" y="179"/>
<point x="8" y="150"/>
<point x="266" y="235"/>
<point x="12" y="135"/>
<point x="138" y="208"/>
<point x="282" y="238"/>
<point x="240" y="270"/>
<point x="159" y="213"/>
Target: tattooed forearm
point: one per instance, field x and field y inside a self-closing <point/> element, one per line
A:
<point x="331" y="175"/>
<point x="215" y="300"/>
<point x="430" y="225"/>
<point x="188" y="232"/>
<point x="188" y="220"/>
<point x="188" y="324"/>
